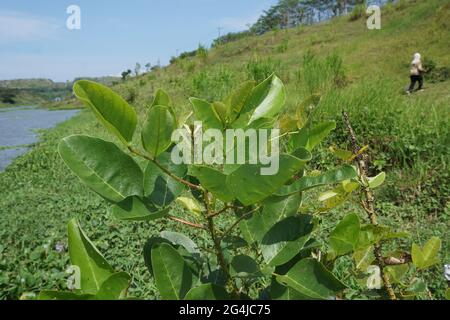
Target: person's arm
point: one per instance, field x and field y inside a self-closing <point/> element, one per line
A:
<point x="420" y="67"/>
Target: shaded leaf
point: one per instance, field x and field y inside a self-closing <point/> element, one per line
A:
<point x="310" y="278"/>
<point x="208" y="291"/>
<point x="134" y="209"/>
<point x="172" y="275"/>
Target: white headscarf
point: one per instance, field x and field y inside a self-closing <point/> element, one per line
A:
<point x="416" y="58"/>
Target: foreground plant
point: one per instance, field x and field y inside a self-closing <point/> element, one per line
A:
<point x="263" y="239"/>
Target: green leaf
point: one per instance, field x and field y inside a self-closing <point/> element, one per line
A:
<point x="283" y="293"/>
<point x="161" y="99"/>
<point x="345" y="236"/>
<point x="310" y="278"/>
<point x="275" y="209"/>
<point x="370" y="234"/>
<point x="363" y="258"/>
<point x="64" y="295"/>
<point x="341" y="153"/>
<point x="244" y="266"/>
<point x="236" y="100"/>
<point x="377" y="181"/>
<point x="396" y="273"/>
<point x="428" y="256"/>
<point x="249" y="186"/>
<point x="157" y="130"/>
<point x="110" y="108"/>
<point x="172" y="275"/>
<point x="308" y="182"/>
<point x="206" y="113"/>
<point x="191" y="205"/>
<point x="221" y="110"/>
<point x="180" y="239"/>
<point x="447" y="294"/>
<point x="285" y="239"/>
<point x="148" y="248"/>
<point x="309" y="138"/>
<point x="267" y="99"/>
<point x="115" y="287"/>
<point x="134" y="209"/>
<point x="94" y="269"/>
<point x="102" y="166"/>
<point x="214" y="181"/>
<point x="208" y="291"/>
<point x="159" y="188"/>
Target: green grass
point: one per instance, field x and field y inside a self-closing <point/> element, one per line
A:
<point x="408" y="138"/>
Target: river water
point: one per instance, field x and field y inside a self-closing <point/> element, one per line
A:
<point x="18" y="127"/>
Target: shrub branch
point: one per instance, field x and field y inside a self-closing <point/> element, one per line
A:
<point x="368" y="203"/>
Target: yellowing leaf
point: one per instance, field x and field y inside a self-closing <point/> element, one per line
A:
<point x="428" y="256"/>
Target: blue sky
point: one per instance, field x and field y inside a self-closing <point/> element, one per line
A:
<point x="114" y="35"/>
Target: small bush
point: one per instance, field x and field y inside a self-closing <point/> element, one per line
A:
<point x="358" y="12"/>
<point x="259" y="70"/>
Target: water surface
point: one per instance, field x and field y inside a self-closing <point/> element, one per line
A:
<point x="18" y="127"/>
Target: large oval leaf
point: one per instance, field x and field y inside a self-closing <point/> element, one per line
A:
<point x="159" y="188"/>
<point x="134" y="209"/>
<point x="161" y="99"/>
<point x="267" y="99"/>
<point x="213" y="181"/>
<point x="157" y="130"/>
<point x="309" y="137"/>
<point x="206" y="113"/>
<point x="275" y="209"/>
<point x="285" y="239"/>
<point x="343" y="173"/>
<point x="310" y="278"/>
<point x="208" y="291"/>
<point x="109" y="107"/>
<point x="172" y="275"/>
<point x="115" y="287"/>
<point x="249" y="186"/>
<point x="345" y="236"/>
<point x="94" y="269"/>
<point x="102" y="166"/>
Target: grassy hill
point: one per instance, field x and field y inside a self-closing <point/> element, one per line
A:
<point x="408" y="138"/>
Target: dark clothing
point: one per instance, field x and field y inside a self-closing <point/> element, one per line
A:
<point x="415" y="79"/>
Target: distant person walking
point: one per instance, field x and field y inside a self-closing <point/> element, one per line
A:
<point x="416" y="73"/>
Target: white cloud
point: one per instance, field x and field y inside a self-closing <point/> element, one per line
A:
<point x="21" y="27"/>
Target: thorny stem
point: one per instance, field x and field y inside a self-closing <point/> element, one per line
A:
<point x="217" y="248"/>
<point x="170" y="174"/>
<point x="368" y="203"/>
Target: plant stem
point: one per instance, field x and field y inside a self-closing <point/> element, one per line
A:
<point x="191" y="224"/>
<point x="170" y="174"/>
<point x="369" y="203"/>
<point x="217" y="248"/>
